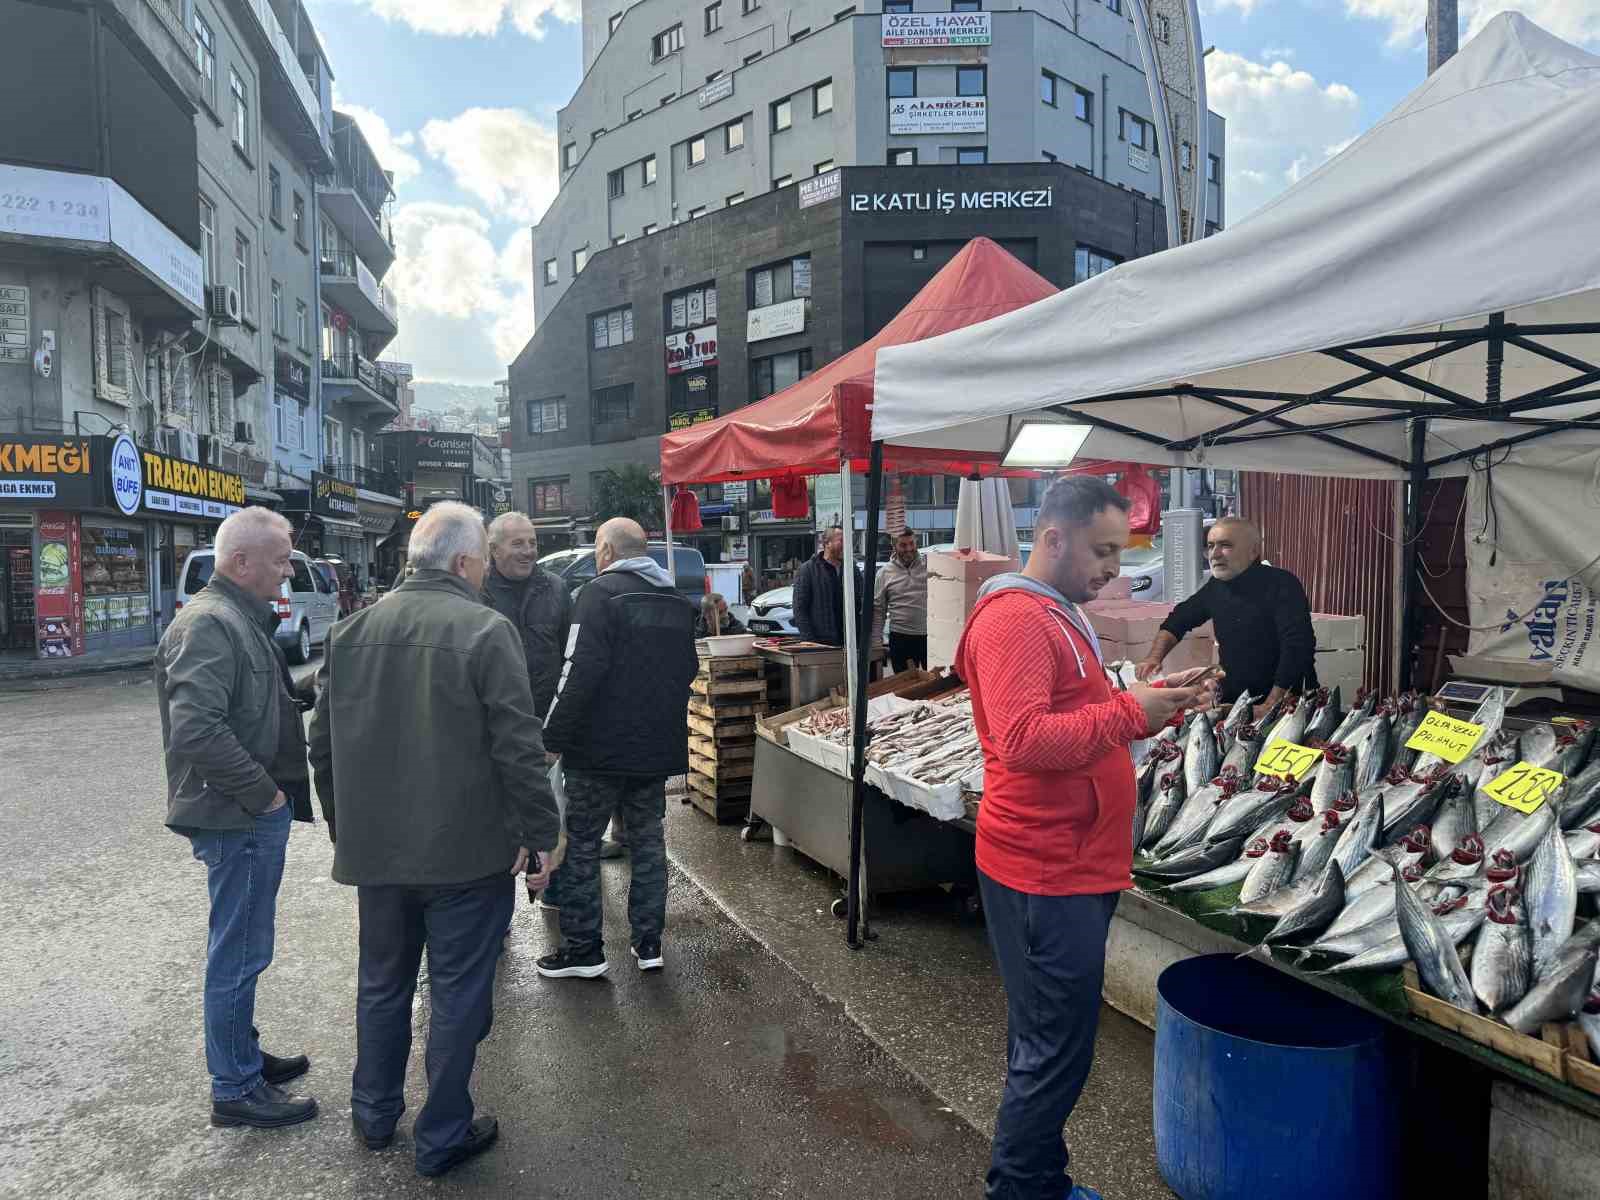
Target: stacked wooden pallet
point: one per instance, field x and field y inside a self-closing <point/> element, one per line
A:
<point x="728" y="695"/>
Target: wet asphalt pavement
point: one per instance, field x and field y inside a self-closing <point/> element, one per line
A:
<point x="725" y="1075"/>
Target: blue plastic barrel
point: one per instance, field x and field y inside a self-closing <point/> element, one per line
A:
<point x="1267" y="1087"/>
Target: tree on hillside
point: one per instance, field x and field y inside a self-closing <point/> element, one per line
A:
<point x="630" y="491"/>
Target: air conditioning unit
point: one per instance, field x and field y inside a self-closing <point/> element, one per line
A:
<point x="188" y="446"/>
<point x="166" y="441"/>
<point x="730" y="524"/>
<point x="224" y="305"/>
<point x="244" y="432"/>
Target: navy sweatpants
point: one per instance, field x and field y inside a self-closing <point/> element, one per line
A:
<point x="1052" y="956"/>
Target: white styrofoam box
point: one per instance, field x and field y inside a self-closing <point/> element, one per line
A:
<point x="944" y="636"/>
<point x="953" y="583"/>
<point x="1345" y="669"/>
<point x="1339" y="633"/>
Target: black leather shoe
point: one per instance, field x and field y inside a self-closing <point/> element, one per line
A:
<point x="277" y="1071"/>
<point x="484" y="1132"/>
<point x="372" y="1141"/>
<point x="265" y="1108"/>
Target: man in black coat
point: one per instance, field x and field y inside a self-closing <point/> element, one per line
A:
<point x="819" y="593"/>
<point x="620" y="723"/>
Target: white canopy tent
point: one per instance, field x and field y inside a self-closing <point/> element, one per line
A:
<point x="1445" y="265"/>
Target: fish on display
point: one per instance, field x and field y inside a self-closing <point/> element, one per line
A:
<point x="1513" y="831"/>
<point x="1452" y="821"/>
<point x="1581" y="804"/>
<point x="1560" y="991"/>
<point x="1206" y="856"/>
<point x="1337" y="777"/>
<point x="1459" y="918"/>
<point x="1412" y="713"/>
<point x="1290" y="727"/>
<point x="1316" y="851"/>
<point x="1588" y="878"/>
<point x="1201" y="760"/>
<point x="1363" y="835"/>
<point x="1168" y="800"/>
<point x="1539" y="745"/>
<point x="1583" y="843"/>
<point x="1572" y="749"/>
<point x="1374" y="753"/>
<point x="1366" y="703"/>
<point x="1238" y="716"/>
<point x="1502" y="957"/>
<point x="1312" y="914"/>
<point x="1272" y="866"/>
<point x="1246" y="811"/>
<point x="1325" y="718"/>
<point x="1550" y="885"/>
<point x="1245" y="750"/>
<point x="1490" y="763"/>
<point x="1414" y="802"/>
<point x="1189" y="826"/>
<point x="1432" y="949"/>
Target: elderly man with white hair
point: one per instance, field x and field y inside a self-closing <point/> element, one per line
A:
<point x="236" y="773"/>
<point x="431" y="769"/>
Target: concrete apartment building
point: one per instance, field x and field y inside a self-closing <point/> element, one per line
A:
<point x="750" y="188"/>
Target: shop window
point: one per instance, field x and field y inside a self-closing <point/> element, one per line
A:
<point x="547" y="416"/>
<point x="691" y="307"/>
<point x="772" y="374"/>
<point x="691" y="398"/>
<point x="1089" y="262"/>
<point x="919" y="489"/>
<point x="613" y="328"/>
<point x="113" y="348"/>
<point x="972" y="81"/>
<point x="902" y="81"/>
<point x="780" y="281"/>
<point x="952" y="489"/>
<point x="116" y="581"/>
<point x="549" y="496"/>
<point x="733" y="135"/>
<point x="613" y="405"/>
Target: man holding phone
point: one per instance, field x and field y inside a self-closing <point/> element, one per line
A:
<point x="1055" y="831"/>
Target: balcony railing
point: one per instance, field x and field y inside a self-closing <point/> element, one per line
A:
<point x="365" y="371"/>
<point x="370" y="478"/>
<point x="290" y="62"/>
<point x="345" y="264"/>
<point x="372" y="199"/>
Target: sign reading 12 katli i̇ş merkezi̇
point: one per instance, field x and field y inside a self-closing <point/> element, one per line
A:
<point x="946" y="202"/>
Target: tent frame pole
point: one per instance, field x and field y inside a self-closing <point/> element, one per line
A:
<point x="666" y="526"/>
<point x="856" y="931"/>
<point x="1411" y="553"/>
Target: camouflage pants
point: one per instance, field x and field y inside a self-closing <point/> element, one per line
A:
<point x="591" y="800"/>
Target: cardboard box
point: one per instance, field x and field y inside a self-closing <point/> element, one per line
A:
<point x="1344" y="669"/>
<point x="1335" y="632"/>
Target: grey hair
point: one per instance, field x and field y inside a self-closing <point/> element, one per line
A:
<point x="498" y="526"/>
<point x="247" y="529"/>
<point x="446" y="530"/>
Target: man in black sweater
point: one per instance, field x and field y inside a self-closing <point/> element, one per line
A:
<point x="819" y="593"/>
<point x="1260" y="614"/>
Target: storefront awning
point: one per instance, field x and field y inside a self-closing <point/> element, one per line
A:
<point x="349" y="529"/>
<point x="261" y="495"/>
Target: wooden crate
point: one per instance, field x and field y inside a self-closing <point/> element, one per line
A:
<point x="722" y="751"/>
<point x="735" y="690"/>
<point x="724" y="802"/>
<point x="721" y="771"/>
<point x="1547" y="1054"/>
<point x="1582" y="1071"/>
<point x="748" y="710"/>
<point x="716" y="667"/>
<point x="722" y="729"/>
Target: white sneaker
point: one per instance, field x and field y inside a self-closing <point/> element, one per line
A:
<point x="649" y="956"/>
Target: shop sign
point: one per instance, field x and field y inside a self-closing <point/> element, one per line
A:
<point x="717" y="89"/>
<point x="765" y="516"/>
<point x="188" y="489"/>
<point x="293" y="377"/>
<point x="125" y="474"/>
<point x="332" y="497"/>
<point x="945" y="203"/>
<point x="775" y="320"/>
<point x="692" y="349"/>
<point x="936" y="29"/>
<point x="695" y="416"/>
<point x="442" y="452"/>
<point x="46" y="470"/>
<point x="736" y="492"/>
<point x="819" y="189"/>
<point x="939" y="114"/>
<point x="1139" y="159"/>
<point x="58" y="586"/>
<point x="14" y="338"/>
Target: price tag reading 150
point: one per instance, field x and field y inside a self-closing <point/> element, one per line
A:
<point x="1284" y="759"/>
<point x="1524" y="787"/>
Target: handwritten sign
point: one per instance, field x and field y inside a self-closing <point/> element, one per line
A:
<point x="1450" y="739"/>
<point x="1284" y="759"/>
<point x="1524" y="787"/>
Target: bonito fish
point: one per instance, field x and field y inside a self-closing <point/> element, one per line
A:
<point x="1432" y="949"/>
<point x="1560" y="991"/>
<point x="1273" y="866"/>
<point x="1551" y="889"/>
<point x="1502" y="957"/>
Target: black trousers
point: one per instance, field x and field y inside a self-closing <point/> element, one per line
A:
<point x="461" y="926"/>
<point x="907" y="648"/>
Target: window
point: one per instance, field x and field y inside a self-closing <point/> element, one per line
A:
<point x="787" y="280"/>
<point x="773" y="374"/>
<point x="697" y="212"/>
<point x="614" y="183"/>
<point x="1186" y="156"/>
<point x="302" y="326"/>
<point x="580" y="260"/>
<point x="902" y="158"/>
<point x="823" y="167"/>
<point x="549" y="495"/>
<point x="113" y="348"/>
<point x="600" y="133"/>
<point x="289" y="429"/>
<point x="972" y="154"/>
<point x="798" y="34"/>
<point x="782" y="181"/>
<point x="241" y="266"/>
<point x="966" y="5"/>
<point x="822" y="98"/>
<point x="569" y="156"/>
<point x="902" y="80"/>
<point x="736" y="198"/>
<point x="649" y="229"/>
<point x="668" y="98"/>
<point x="277" y="308"/>
<point x="897" y="6"/>
<point x="552" y="273"/>
<point x="733" y="135"/>
<point x="611" y="25"/>
<point x="844" y="13"/>
<point x="782" y="115"/>
<point x="1163" y="27"/>
<point x="668" y="41"/>
<point x="208" y="240"/>
<point x="330" y="240"/>
<point x="714" y="17"/>
<point x="1114" y="5"/>
<point x="647" y="170"/>
<point x="1083" y="105"/>
<point x="1048" y="157"/>
<point x="714" y="76"/>
<point x="1213" y="168"/>
<point x="547" y="416"/>
<point x="1047" y="88"/>
<point x="297" y="220"/>
<point x="613" y="328"/>
<point x="919" y="489"/>
<point x="205" y="57"/>
<point x="1136" y="131"/>
<point x="750" y="58"/>
<point x="636" y="114"/>
<point x="697" y="150"/>
<point x="241" y="111"/>
<point x="619" y="239"/>
<point x="1089" y="262"/>
<point x="275" y="195"/>
<point x="972" y="81"/>
<point x="691" y="307"/>
<point x="749" y="6"/>
<point x="613" y="405"/>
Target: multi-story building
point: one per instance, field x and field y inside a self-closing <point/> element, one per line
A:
<point x="750" y="188"/>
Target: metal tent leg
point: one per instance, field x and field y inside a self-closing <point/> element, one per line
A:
<point x="855" y="925"/>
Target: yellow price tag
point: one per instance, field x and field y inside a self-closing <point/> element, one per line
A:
<point x="1524" y="787"/>
<point x="1450" y="739"/>
<point x="1284" y="759"/>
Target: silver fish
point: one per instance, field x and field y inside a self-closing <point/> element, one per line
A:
<point x="1581" y="805"/>
<point x="1290" y="727"/>
<point x="1200" y="756"/>
<point x="1353" y="719"/>
<point x="1206" y="856"/>
<point x="1245" y="750"/>
<point x="1411" y="715"/>
<point x="1583" y="843"/>
<point x="1324" y="720"/>
<point x="1518" y="833"/>
<point x="1374" y="753"/>
<point x="1168" y="800"/>
<point x="1489" y="763"/>
<point x="1411" y="853"/>
<point x="1372" y="906"/>
<point x="1272" y="867"/>
<point x="1189" y="826"/>
<point x="1572" y="749"/>
<point x="1412" y="803"/>
<point x="1316" y="852"/>
<point x="1559" y="992"/>
<point x="1502" y="957"/>
<point x="1459" y="923"/>
<point x="1588" y="878"/>
<point x="1452" y="822"/>
<point x="1551" y="888"/>
<point x="1362" y="836"/>
<point x="1432" y="949"/>
<point x="1314" y="912"/>
<point x="1245" y="811"/>
<point x="1337" y="776"/>
<point x="1539" y="745"/>
<point x="1238" y="716"/>
<point x="1217" y="877"/>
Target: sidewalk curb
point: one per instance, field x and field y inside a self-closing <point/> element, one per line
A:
<point x="46" y="670"/>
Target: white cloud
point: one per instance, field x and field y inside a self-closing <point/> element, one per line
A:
<point x="503" y="156"/>
<point x="1278" y="53"/>
<point x="393" y="150"/>
<point x="1245" y="7"/>
<point x="1574" y="20"/>
<point x="466" y="305"/>
<point x="476" y="18"/>
<point x="1282" y="124"/>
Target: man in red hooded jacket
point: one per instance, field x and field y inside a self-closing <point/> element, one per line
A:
<point x="1055" y="832"/>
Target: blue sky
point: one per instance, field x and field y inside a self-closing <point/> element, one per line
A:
<point x="459" y="99"/>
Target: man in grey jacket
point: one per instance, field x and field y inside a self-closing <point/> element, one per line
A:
<point x="236" y="771"/>
<point x="431" y="769"/>
<point x="901" y="595"/>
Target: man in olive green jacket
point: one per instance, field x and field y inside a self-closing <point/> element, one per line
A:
<point x="430" y="766"/>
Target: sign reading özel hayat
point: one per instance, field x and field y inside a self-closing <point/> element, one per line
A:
<point x="939" y="114"/>
<point x="936" y="29"/>
<point x="173" y="486"/>
<point x="949" y="202"/>
<point x="691" y="349"/>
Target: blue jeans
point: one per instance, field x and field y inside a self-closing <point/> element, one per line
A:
<point x="1052" y="956"/>
<point x="461" y="926"/>
<point x="243" y="870"/>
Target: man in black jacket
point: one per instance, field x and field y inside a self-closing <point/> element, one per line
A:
<point x="1260" y="614"/>
<point x="819" y="593"/>
<point x="620" y="723"/>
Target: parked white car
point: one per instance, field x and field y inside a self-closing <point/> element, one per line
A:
<point x="307" y="605"/>
<point x="773" y="612"/>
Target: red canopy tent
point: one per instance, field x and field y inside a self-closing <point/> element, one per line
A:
<point x="822" y="422"/>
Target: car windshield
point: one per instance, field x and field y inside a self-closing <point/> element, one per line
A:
<point x="559" y="561"/>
